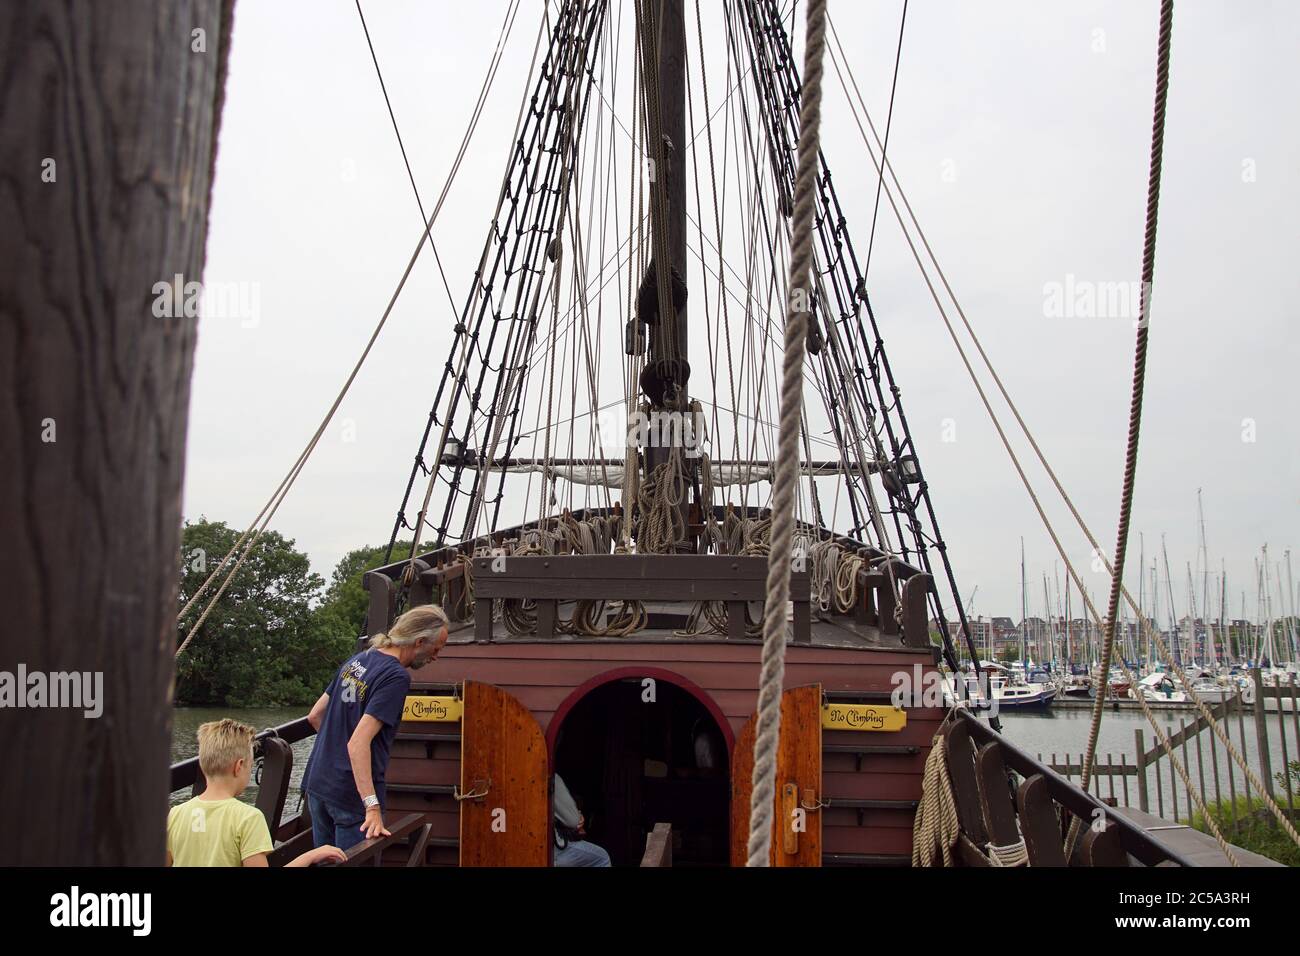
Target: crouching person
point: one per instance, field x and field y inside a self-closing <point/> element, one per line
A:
<point x="216" y="828"/>
<point x="570" y="847"/>
<point x="356" y="720"/>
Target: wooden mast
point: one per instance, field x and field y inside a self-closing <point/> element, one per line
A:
<point x="667" y="38"/>
<point x="112" y="115"/>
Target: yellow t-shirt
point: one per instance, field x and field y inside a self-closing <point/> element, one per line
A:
<point x="216" y="833"/>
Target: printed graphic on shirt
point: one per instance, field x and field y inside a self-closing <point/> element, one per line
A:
<point x="353" y="683"/>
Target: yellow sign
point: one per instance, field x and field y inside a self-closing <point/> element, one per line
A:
<point x="862" y="717"/>
<point x="440" y="709"/>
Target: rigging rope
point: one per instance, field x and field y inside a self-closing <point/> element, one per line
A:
<point x="264" y="516"/>
<point x="1139" y="380"/>
<point x="1151" y="635"/>
<point x="772" y="674"/>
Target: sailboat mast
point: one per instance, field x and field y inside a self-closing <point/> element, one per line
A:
<point x="1173" y="615"/>
<point x="1023" y="606"/>
<point x="1142" y="577"/>
<point x="1049" y="625"/>
<point x="1290" y="596"/>
<point x="1205" y="563"/>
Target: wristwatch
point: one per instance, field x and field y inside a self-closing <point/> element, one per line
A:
<point x="370" y="801"/>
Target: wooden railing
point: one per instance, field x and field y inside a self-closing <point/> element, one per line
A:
<point x="549" y="579"/>
<point x="1260" y="732"/>
<point x="439" y="577"/>
<point x="980" y="764"/>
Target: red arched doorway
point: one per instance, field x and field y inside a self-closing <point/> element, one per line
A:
<point x="641" y="746"/>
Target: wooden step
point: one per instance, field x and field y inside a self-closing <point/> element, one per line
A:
<point x="872" y="804"/>
<point x="429" y="790"/>
<point x="893" y="750"/>
<point x="865" y="859"/>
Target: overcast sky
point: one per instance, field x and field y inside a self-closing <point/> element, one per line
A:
<point x="1021" y="133"/>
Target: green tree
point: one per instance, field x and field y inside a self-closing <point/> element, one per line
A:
<point x="263" y="644"/>
<point x="343" y="611"/>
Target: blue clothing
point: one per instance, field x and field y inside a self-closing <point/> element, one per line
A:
<point x="581" y="853"/>
<point x="371" y="683"/>
<point x="331" y="826"/>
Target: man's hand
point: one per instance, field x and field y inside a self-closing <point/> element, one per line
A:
<point x="374" y="824"/>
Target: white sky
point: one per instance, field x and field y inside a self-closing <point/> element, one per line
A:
<point x="1021" y="133"/>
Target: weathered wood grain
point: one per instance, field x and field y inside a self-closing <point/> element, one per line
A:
<point x="114" y="94"/>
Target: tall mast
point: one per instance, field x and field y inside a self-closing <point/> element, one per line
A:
<point x="1266" y="591"/>
<point x="664" y="381"/>
<point x="1290" y="596"/>
<point x="1205" y="563"/>
<point x="1142" y="563"/>
<point x="1173" y="615"/>
<point x="1023" y="607"/>
<point x="1049" y="625"/>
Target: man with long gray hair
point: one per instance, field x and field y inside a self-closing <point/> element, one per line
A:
<point x="356" y="719"/>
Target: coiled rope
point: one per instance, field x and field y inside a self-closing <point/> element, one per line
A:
<point x="936" y="828"/>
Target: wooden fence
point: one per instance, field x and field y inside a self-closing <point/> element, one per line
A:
<point x="1147" y="777"/>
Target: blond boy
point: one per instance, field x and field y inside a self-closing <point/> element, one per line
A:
<point x="216" y="828"/>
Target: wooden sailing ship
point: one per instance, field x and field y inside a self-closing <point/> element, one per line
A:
<point x="611" y="638"/>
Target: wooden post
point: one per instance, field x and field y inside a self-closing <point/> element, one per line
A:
<point x="1261" y="733"/>
<point x="1200" y="765"/>
<point x="1245" y="754"/>
<point x="1214" y="757"/>
<point x="111" y="120"/>
<point x="1144" y="802"/>
<point x="1173" y="774"/>
<point x="1295" y="711"/>
<point x="1160" y="790"/>
<point x="1286" y="759"/>
<point x="1227" y="758"/>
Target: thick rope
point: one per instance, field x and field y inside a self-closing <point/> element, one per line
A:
<point x="772" y="673"/>
<point x="936" y="828"/>
<point x="1139" y="380"/>
<point x="1013" y="854"/>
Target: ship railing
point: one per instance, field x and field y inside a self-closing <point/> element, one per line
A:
<point x="983" y="766"/>
<point x="883" y="584"/>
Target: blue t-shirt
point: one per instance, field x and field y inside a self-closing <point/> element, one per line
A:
<point x="369" y="683"/>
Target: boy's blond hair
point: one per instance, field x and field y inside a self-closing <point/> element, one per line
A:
<point x="221" y="743"/>
<point x="427" y="620"/>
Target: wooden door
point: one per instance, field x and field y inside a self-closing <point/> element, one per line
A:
<point x="504" y="804"/>
<point x="796" y="829"/>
